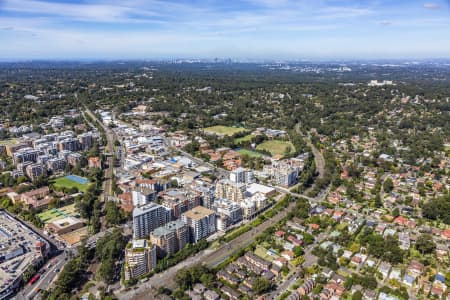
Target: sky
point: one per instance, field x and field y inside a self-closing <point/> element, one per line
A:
<point x="247" y="29"/>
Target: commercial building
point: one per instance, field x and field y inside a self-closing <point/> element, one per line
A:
<point x="201" y="222"/>
<point x="147" y="218"/>
<point x="65" y="225"/>
<point x="140" y="258"/>
<point x="21" y="248"/>
<point x="170" y="238"/>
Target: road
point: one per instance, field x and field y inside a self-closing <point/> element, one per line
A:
<point x="47" y="277"/>
<point x="318" y="157"/>
<point x="109" y="149"/>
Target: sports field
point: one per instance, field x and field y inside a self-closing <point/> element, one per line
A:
<point x="54" y="214"/>
<point x="72" y="181"/>
<point x="276" y="147"/>
<point x="246" y="138"/>
<point x="249" y="153"/>
<point x="223" y="130"/>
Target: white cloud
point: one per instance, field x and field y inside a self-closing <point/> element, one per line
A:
<point x="431" y="5"/>
<point x="385" y="23"/>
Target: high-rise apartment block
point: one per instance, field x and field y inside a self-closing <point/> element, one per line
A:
<point x="147" y="218"/>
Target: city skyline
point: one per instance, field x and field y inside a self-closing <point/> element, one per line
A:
<point x="252" y="29"/>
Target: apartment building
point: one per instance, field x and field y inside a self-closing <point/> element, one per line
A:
<point x="231" y="210"/>
<point x="170" y="237"/>
<point x="34" y="171"/>
<point x="283" y="173"/>
<point x="241" y="175"/>
<point x="56" y="164"/>
<point x="227" y="189"/>
<point x="201" y="222"/>
<point x="179" y="201"/>
<point x="147" y="218"/>
<point x="142" y="196"/>
<point x="140" y="258"/>
<point x="25" y="155"/>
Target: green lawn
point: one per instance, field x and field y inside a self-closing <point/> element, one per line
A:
<point x="249" y="153"/>
<point x="62" y="182"/>
<point x="276" y="147"/>
<point x="262" y="252"/>
<point x="246" y="138"/>
<point x="223" y="130"/>
<point x="9" y="141"/>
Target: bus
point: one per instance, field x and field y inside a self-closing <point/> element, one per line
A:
<point x="34" y="279"/>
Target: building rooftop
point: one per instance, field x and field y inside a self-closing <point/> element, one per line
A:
<point x="169" y="227"/>
<point x="65" y="222"/>
<point x="198" y="213"/>
<point x="145" y="208"/>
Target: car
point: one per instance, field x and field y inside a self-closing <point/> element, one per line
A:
<point x="56" y="270"/>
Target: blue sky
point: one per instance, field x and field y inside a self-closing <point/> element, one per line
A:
<point x="248" y="29"/>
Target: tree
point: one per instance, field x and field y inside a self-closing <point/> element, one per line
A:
<point x="395" y="212"/>
<point x="438" y="208"/>
<point x="261" y="285"/>
<point x="388" y="185"/>
<point x="108" y="249"/>
<point x="357" y="295"/>
<point x="425" y="244"/>
<point x="113" y="213"/>
<point x="298" y="251"/>
<point x="29" y="272"/>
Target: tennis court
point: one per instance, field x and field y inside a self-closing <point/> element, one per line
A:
<point x="54" y="214"/>
<point x="78" y="179"/>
